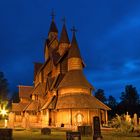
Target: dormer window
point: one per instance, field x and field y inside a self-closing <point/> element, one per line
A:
<point x="33" y="97"/>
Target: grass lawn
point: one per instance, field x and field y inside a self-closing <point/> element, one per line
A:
<point x="58" y="135"/>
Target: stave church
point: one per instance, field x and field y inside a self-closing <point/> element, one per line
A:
<point x="61" y="96"/>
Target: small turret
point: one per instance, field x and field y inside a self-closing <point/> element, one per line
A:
<point x="74" y="56"/>
<point x="53" y="27"/>
<point x="53" y="31"/>
<point x="64" y="40"/>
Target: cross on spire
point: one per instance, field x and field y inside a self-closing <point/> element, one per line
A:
<point x="53" y="14"/>
<point x="74" y="30"/>
<point x="64" y="20"/>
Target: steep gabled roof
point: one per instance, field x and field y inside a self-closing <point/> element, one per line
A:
<point x="64" y="35"/>
<point x="37" y="67"/>
<point x="74" y="49"/>
<point x="75" y="78"/>
<point x="39" y="89"/>
<point x="55" y="56"/>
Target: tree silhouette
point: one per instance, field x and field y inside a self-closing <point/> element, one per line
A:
<point x="130" y="96"/>
<point x="129" y="101"/>
<point x="3" y="87"/>
<point x="15" y="97"/>
<point x="112" y="103"/>
<point x="99" y="94"/>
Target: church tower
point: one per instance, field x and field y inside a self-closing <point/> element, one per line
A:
<point x="74" y="82"/>
<point x="74" y="56"/>
<point x="52" y="42"/>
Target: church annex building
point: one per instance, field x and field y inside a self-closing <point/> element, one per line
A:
<point x="61" y="94"/>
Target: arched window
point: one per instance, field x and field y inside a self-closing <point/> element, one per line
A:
<point x="79" y="118"/>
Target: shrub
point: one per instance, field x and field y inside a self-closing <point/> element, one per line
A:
<point x="122" y="124"/>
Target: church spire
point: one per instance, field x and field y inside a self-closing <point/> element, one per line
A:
<point x="52" y="40"/>
<point x="74" y="56"/>
<point x="74" y="50"/>
<point x="53" y="27"/>
<point x="64" y="35"/>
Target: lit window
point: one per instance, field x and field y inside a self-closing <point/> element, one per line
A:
<point x="79" y="118"/>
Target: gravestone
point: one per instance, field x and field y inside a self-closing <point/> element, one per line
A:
<point x="45" y="131"/>
<point x="96" y="129"/>
<point x="135" y="121"/>
<point x="128" y="118"/>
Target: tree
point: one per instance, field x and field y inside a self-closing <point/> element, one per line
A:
<point x="99" y="94"/>
<point x="3" y="87"/>
<point x="112" y="103"/>
<point x="15" y="97"/>
<point x="129" y="101"/>
<point x="130" y="96"/>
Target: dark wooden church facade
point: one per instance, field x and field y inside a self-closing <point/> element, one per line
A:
<point x="61" y="93"/>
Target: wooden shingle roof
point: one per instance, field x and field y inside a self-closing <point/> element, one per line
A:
<point x="25" y="91"/>
<point x="75" y="78"/>
<point x="37" y="67"/>
<point x="53" y="27"/>
<point x="19" y="107"/>
<point x="33" y="106"/>
<point x="39" y="89"/>
<point x="59" y="79"/>
<point x="64" y="35"/>
<point x="74" y="49"/>
<point x="79" y="101"/>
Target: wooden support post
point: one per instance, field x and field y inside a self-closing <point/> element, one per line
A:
<point x="106" y="117"/>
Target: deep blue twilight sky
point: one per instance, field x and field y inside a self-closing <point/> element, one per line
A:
<point x="108" y="36"/>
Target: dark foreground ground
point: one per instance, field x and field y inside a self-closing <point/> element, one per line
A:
<point x="35" y="134"/>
